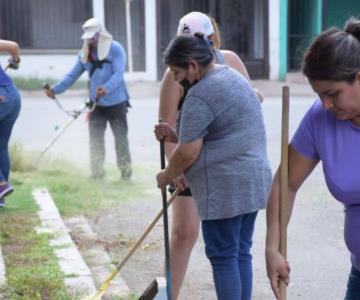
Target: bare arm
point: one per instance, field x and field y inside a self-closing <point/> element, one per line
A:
<point x="235" y="62"/>
<point x="182" y="158"/>
<point x="170" y="94"/>
<point x="12" y="48"/>
<point x="300" y="168"/>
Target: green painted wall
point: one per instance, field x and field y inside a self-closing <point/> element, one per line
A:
<point x="338" y="11"/>
<point x="304" y="23"/>
<point x="283" y="39"/>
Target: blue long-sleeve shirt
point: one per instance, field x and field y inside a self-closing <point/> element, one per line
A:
<point x="110" y="76"/>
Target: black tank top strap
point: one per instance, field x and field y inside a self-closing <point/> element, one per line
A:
<point x="219" y="57"/>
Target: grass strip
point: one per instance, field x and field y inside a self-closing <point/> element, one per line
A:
<point x="32" y="268"/>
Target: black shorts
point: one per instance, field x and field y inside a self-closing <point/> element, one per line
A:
<point x="184" y="193"/>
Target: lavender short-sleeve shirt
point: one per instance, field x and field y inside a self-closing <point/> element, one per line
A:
<point x="336" y="143"/>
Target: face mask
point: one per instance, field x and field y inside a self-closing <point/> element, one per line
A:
<point x="186" y="84"/>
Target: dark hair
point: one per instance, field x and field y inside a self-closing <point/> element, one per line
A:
<point x="186" y="47"/>
<point x="334" y="54"/>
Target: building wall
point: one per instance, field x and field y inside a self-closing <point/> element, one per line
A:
<point x="51" y="62"/>
<point x="243" y="26"/>
<point x="337" y="12"/>
<point x="274" y="39"/>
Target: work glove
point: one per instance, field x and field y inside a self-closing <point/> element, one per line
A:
<point x="13" y="64"/>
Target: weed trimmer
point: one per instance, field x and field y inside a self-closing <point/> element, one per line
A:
<point x="284" y="180"/>
<point x="89" y="105"/>
<point x="104" y="286"/>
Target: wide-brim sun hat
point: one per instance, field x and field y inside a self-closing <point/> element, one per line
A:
<point x="91" y="27"/>
<point x="195" y="22"/>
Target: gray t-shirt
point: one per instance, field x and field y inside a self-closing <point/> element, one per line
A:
<point x="231" y="175"/>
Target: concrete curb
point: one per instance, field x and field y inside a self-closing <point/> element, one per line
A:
<point x="2" y="271"/>
<point x="78" y="278"/>
<point x="97" y="258"/>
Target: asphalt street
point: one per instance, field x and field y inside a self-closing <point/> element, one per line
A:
<point x="319" y="259"/>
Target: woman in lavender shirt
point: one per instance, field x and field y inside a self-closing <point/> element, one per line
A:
<point x="330" y="132"/>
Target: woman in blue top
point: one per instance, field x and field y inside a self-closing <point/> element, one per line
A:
<point x="185" y="219"/>
<point x="221" y="148"/>
<point x="10" y="104"/>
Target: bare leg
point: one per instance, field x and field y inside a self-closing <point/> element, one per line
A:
<point x="184" y="233"/>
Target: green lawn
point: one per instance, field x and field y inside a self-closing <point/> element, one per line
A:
<point x="32" y="268"/>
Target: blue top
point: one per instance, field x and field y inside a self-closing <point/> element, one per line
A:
<point x="4" y="79"/>
<point x="110" y="76"/>
<point x="231" y="175"/>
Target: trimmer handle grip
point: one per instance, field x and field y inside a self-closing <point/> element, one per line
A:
<point x="46" y="86"/>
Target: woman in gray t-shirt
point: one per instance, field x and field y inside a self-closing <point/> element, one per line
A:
<point x="222" y="151"/>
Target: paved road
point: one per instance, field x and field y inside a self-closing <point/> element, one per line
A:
<point x="318" y="256"/>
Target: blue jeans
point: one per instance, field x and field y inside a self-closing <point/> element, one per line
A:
<point x="10" y="104"/>
<point x="227" y="246"/>
<point x="353" y="285"/>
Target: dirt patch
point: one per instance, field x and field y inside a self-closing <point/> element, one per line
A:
<point x="120" y="226"/>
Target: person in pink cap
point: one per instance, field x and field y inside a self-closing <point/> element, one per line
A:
<point x="185" y="218"/>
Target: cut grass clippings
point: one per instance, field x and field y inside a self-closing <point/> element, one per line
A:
<point x="32" y="268"/>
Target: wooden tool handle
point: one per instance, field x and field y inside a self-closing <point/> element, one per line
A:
<point x="284" y="179"/>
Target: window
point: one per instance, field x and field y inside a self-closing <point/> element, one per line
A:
<point x="44" y="24"/>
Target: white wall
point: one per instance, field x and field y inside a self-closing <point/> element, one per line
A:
<point x="99" y="10"/>
<point x="42" y="65"/>
<point x="274" y="38"/>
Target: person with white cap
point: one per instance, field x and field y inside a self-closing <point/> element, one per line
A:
<point x="105" y="60"/>
<point x="185" y="218"/>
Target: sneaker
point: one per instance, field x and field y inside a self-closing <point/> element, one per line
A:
<point x="2" y="203"/>
<point x="5" y="189"/>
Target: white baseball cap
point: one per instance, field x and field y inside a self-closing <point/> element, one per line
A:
<point x="195" y="22"/>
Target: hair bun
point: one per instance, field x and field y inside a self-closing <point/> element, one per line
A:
<point x="353" y="27"/>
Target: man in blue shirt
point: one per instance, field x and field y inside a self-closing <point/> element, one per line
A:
<point x="104" y="59"/>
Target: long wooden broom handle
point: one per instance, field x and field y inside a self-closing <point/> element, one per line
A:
<point x="284" y="180"/>
<point x="146" y="231"/>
